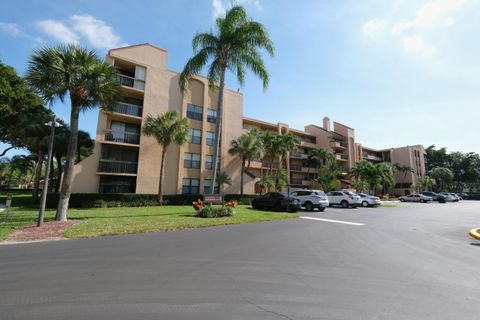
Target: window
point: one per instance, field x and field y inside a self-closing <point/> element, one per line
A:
<point x="212" y="115"/>
<point x="210" y="138"/>
<point x="194" y="112"/>
<point x="190" y="186"/>
<point x="209" y="163"/>
<point x="191" y="160"/>
<point x="195" y="136"/>
<point x="207" y="184"/>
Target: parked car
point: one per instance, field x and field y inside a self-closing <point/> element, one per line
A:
<point x="415" y="198"/>
<point x="344" y="198"/>
<point x="279" y="201"/>
<point x="311" y="199"/>
<point x="464" y="196"/>
<point x="436" y="196"/>
<point x="455" y="196"/>
<point x="368" y="201"/>
<point x="448" y="197"/>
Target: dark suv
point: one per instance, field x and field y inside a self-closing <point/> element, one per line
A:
<point x="435" y="196"/>
<point x="279" y="201"/>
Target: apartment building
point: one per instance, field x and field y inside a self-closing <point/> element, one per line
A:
<point x="126" y="161"/>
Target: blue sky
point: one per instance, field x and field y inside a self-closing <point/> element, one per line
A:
<point x="399" y="72"/>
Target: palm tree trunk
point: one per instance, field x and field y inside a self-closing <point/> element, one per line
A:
<point x="64" y="197"/>
<point x="218" y="128"/>
<point x="160" y="183"/>
<point x="241" y="178"/>
<point x="38" y="173"/>
<point x="58" y="158"/>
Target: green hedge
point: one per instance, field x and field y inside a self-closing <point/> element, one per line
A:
<point x="215" y="212"/>
<point x="104" y="200"/>
<point x="246" y="199"/>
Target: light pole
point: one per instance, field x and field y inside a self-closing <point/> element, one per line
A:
<point x="43" y="201"/>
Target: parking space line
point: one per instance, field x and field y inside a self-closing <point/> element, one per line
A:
<point x="334" y="221"/>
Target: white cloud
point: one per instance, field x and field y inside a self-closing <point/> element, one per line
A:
<point x="11" y="29"/>
<point x="373" y="27"/>
<point x="218" y="8"/>
<point x="429" y="15"/>
<point x="416" y="44"/>
<point x="58" y="31"/>
<point x="221" y="6"/>
<point x="97" y="32"/>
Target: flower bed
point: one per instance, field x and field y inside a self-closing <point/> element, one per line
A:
<point x="210" y="211"/>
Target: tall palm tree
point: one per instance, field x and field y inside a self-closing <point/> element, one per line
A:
<point x="266" y="183"/>
<point x="166" y="129"/>
<point x="402" y="168"/>
<point x="70" y="70"/>
<point x="248" y="147"/>
<point x="234" y="46"/>
<point x="319" y="157"/>
<point x="271" y="145"/>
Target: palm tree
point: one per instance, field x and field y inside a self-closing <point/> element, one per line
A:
<point x="266" y="183"/>
<point x="70" y="70"/>
<point x="223" y="179"/>
<point x="271" y="146"/>
<point x="385" y="176"/>
<point x="248" y="147"/>
<point x="403" y="168"/>
<point x="235" y="46"/>
<point x="84" y="146"/>
<point x="442" y="176"/>
<point x="166" y="129"/>
<point x="319" y="157"/>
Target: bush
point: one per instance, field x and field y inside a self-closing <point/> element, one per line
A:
<point x="215" y="212"/>
<point x="114" y="200"/>
<point x="246" y="199"/>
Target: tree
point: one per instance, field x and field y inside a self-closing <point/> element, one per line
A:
<point x="70" y="70"/>
<point x="436" y="158"/>
<point x="319" y="157"/>
<point x="235" y="46"/>
<point x="166" y="129"/>
<point x="84" y="146"/>
<point x="385" y="176"/>
<point x="442" y="176"/>
<point x="17" y="103"/>
<point x="271" y="146"/>
<point x="223" y="179"/>
<point x="402" y="168"/>
<point x="248" y="147"/>
<point x="425" y="184"/>
<point x="266" y="183"/>
<point x="327" y="175"/>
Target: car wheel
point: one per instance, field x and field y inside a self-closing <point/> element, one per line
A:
<point x="422" y="201"/>
<point x="364" y="204"/>
<point x="321" y="209"/>
<point x="402" y="200"/>
<point x="279" y="207"/>
<point x="344" y="204"/>
<point x="309" y="206"/>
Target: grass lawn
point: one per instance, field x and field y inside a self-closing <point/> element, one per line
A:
<point x="388" y="205"/>
<point x="112" y="221"/>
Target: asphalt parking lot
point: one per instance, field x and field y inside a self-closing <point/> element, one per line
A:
<point x="414" y="261"/>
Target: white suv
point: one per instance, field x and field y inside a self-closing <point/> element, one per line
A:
<point x="344" y="198"/>
<point x="312" y="199"/>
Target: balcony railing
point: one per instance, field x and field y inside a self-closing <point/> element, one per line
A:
<point x="341" y="156"/>
<point x="114" y="166"/>
<point x="296" y="167"/>
<point x="128" y="108"/>
<point x="122" y="136"/>
<point x="131" y="82"/>
<point x="266" y="164"/>
<point x="297" y="181"/>
<point x="340" y="144"/>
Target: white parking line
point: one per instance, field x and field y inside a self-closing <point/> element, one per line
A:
<point x="334" y="221"/>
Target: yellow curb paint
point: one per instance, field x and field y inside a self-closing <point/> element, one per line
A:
<point x="474" y="234"/>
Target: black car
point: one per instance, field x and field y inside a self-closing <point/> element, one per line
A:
<point x="279" y="201"/>
<point x="435" y="196"/>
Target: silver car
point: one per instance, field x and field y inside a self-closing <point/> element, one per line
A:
<point x="368" y="200"/>
<point x="416" y="198"/>
<point x="344" y="198"/>
<point x="312" y="199"/>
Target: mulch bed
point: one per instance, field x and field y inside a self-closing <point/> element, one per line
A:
<point x="52" y="230"/>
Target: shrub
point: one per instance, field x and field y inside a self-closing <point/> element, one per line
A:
<point x="215" y="212"/>
<point x="104" y="200"/>
<point x="245" y="200"/>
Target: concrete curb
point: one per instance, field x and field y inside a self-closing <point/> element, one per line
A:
<point x="474" y="234"/>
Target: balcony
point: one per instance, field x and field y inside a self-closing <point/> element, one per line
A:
<point x="122" y="137"/>
<point x="341" y="156"/>
<point x="296" y="181"/>
<point x="114" y="166"/>
<point x="128" y="109"/>
<point x="295" y="167"/>
<point x="339" y="144"/>
<point x="131" y="82"/>
<point x="267" y="164"/>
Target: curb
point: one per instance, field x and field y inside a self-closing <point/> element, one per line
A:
<point x="474" y="234"/>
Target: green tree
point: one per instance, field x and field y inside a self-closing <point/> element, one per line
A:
<point x="436" y="158"/>
<point x="425" y="184"/>
<point x="248" y="147"/>
<point x="442" y="176"/>
<point x="266" y="183"/>
<point x="319" y="157"/>
<point x="403" y="168"/>
<point x="272" y="148"/>
<point x="17" y="103"/>
<point x="235" y="46"/>
<point x="385" y="176"/>
<point x="84" y="146"/>
<point x="70" y="70"/>
<point x="222" y="180"/>
<point x="166" y="129"/>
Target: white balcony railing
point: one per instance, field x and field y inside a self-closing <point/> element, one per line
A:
<point x="128" y="108"/>
<point x="131" y="82"/>
<point x="122" y="136"/>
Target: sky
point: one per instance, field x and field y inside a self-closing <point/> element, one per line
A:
<point x="401" y="72"/>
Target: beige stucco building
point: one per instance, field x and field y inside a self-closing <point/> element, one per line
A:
<point x="126" y="161"/>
